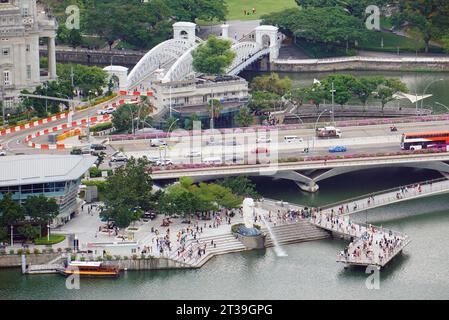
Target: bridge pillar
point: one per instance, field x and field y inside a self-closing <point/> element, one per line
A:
<point x="267" y="36"/>
<point x="225" y="31"/>
<point x="184" y="30"/>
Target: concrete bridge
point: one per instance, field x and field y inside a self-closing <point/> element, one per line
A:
<point x="306" y="174"/>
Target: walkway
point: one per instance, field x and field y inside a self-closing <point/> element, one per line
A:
<point x="390" y="196"/>
<point x="373" y="246"/>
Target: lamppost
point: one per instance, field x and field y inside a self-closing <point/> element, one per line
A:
<point x="2" y="87"/>
<point x="166" y="144"/>
<point x="48" y="232"/>
<point x="46" y="100"/>
<point x="316" y="123"/>
<point x="333" y="101"/>
<point x="12" y="235"/>
<point x="425" y="90"/>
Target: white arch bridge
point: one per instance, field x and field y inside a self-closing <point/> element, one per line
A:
<point x="172" y="60"/>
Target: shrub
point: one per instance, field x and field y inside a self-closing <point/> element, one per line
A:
<point x="117" y="257"/>
<point x="99" y="259"/>
<point x="82" y="259"/>
<point x="59" y="250"/>
<point x="109" y="257"/>
<point x="19" y="251"/>
<point x="125" y="258"/>
<point x="134" y="256"/>
<point x="11" y="251"/>
<point x="27" y="251"/>
<point x="73" y="257"/>
<point x="101" y="127"/>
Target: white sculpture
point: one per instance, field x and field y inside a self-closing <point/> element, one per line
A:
<point x="248" y="212"/>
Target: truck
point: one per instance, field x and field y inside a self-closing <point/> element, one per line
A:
<point x="328" y="132"/>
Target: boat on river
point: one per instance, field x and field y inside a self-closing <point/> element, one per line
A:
<point x="91" y="269"/>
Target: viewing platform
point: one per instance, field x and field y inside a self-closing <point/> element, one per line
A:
<point x="372" y="246"/>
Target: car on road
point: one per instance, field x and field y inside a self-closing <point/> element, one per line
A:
<point x="97" y="147"/>
<point x="193" y="154"/>
<point x="157" y="143"/>
<point x="338" y="149"/>
<point x="213" y="142"/>
<point x="118" y="157"/>
<point x="263" y="140"/>
<point x="291" y="139"/>
<point x="109" y="110"/>
<point x="234" y="159"/>
<point x="76" y="151"/>
<point x="164" y="162"/>
<point x="2" y="153"/>
<point x="261" y="150"/>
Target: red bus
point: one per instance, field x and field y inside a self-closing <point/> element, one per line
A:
<point x="425" y="140"/>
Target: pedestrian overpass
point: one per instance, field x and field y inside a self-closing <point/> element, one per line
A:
<point x="171" y="60"/>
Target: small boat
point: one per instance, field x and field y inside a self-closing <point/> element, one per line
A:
<point x="91" y="269"/>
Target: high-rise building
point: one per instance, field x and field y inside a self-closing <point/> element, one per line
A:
<point x="22" y="26"/>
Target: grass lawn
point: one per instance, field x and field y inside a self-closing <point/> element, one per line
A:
<point x="262" y="7"/>
<point x="392" y="42"/>
<point x="54" y="239"/>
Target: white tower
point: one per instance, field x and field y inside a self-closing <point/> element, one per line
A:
<point x="184" y="30"/>
<point x="267" y="37"/>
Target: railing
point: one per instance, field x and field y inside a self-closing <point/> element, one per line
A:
<point x="383" y="192"/>
<point x="359" y="58"/>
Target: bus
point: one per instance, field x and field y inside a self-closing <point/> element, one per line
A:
<point x="425" y="140"/>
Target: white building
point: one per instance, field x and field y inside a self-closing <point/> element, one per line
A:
<point x="197" y="92"/>
<point x="22" y="24"/>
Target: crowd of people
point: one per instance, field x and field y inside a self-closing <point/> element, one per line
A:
<point x="369" y="244"/>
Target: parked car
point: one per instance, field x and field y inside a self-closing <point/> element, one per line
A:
<point x="118" y="157"/>
<point x="338" y="149"/>
<point x="97" y="147"/>
<point x="261" y="150"/>
<point x="76" y="151"/>
<point x="157" y="143"/>
<point x="2" y="153"/>
<point x="86" y="150"/>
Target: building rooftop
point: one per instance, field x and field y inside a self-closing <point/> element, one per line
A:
<point x="31" y="169"/>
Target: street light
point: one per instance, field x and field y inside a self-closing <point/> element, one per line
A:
<point x="316" y="123"/>
<point x="333" y="101"/>
<point x="48" y="232"/>
<point x="166" y="144"/>
<point x="425" y="90"/>
<point x="12" y="235"/>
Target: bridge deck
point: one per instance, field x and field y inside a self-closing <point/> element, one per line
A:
<point x="372" y="246"/>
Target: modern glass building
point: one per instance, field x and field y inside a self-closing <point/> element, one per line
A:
<point x="54" y="176"/>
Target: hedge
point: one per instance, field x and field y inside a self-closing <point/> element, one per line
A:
<point x="53" y="240"/>
<point x="101" y="127"/>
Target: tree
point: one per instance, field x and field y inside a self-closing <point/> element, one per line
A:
<point x="171" y="124"/>
<point x="128" y="192"/>
<point x="189" y="123"/>
<point x="41" y="209"/>
<point x="213" y="56"/>
<point x="86" y="78"/>
<point x="214" y="108"/>
<point x="354" y="7"/>
<point x="29" y="232"/>
<point x="341" y="84"/>
<point x="386" y="89"/>
<point x="428" y="17"/>
<point x="244" y="118"/>
<point x="315" y="94"/>
<point x="240" y="185"/>
<point x="11" y="211"/>
<point x="264" y="101"/>
<point x="3" y="233"/>
<point x="327" y="26"/>
<point x="272" y="83"/>
<point x="363" y="88"/>
<point x="299" y="95"/>
<point x="191" y="10"/>
<point x="124" y="117"/>
<point x="71" y="37"/>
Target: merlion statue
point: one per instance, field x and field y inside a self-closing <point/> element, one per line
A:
<point x="248" y="210"/>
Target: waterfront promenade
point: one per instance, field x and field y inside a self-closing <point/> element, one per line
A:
<point x="372" y="246"/>
<point x="387" y="197"/>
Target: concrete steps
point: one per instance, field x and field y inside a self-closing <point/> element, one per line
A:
<point x="294" y="233"/>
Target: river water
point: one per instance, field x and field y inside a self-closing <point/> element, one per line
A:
<point x="309" y="270"/>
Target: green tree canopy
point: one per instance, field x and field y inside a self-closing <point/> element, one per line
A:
<point x="41" y="209"/>
<point x="128" y="192"/>
<point x="244" y="118"/>
<point x="11" y="211"/>
<point x="272" y="83"/>
<point x="213" y="56"/>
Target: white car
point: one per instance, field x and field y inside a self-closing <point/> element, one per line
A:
<point x="164" y="162"/>
<point x="2" y="153"/>
<point x="193" y="154"/>
<point x="263" y="140"/>
<point x="118" y="157"/>
<point x="109" y="110"/>
<point x="157" y="143"/>
<point x="290" y="139"/>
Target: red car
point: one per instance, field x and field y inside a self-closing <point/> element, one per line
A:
<point x="261" y="150"/>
